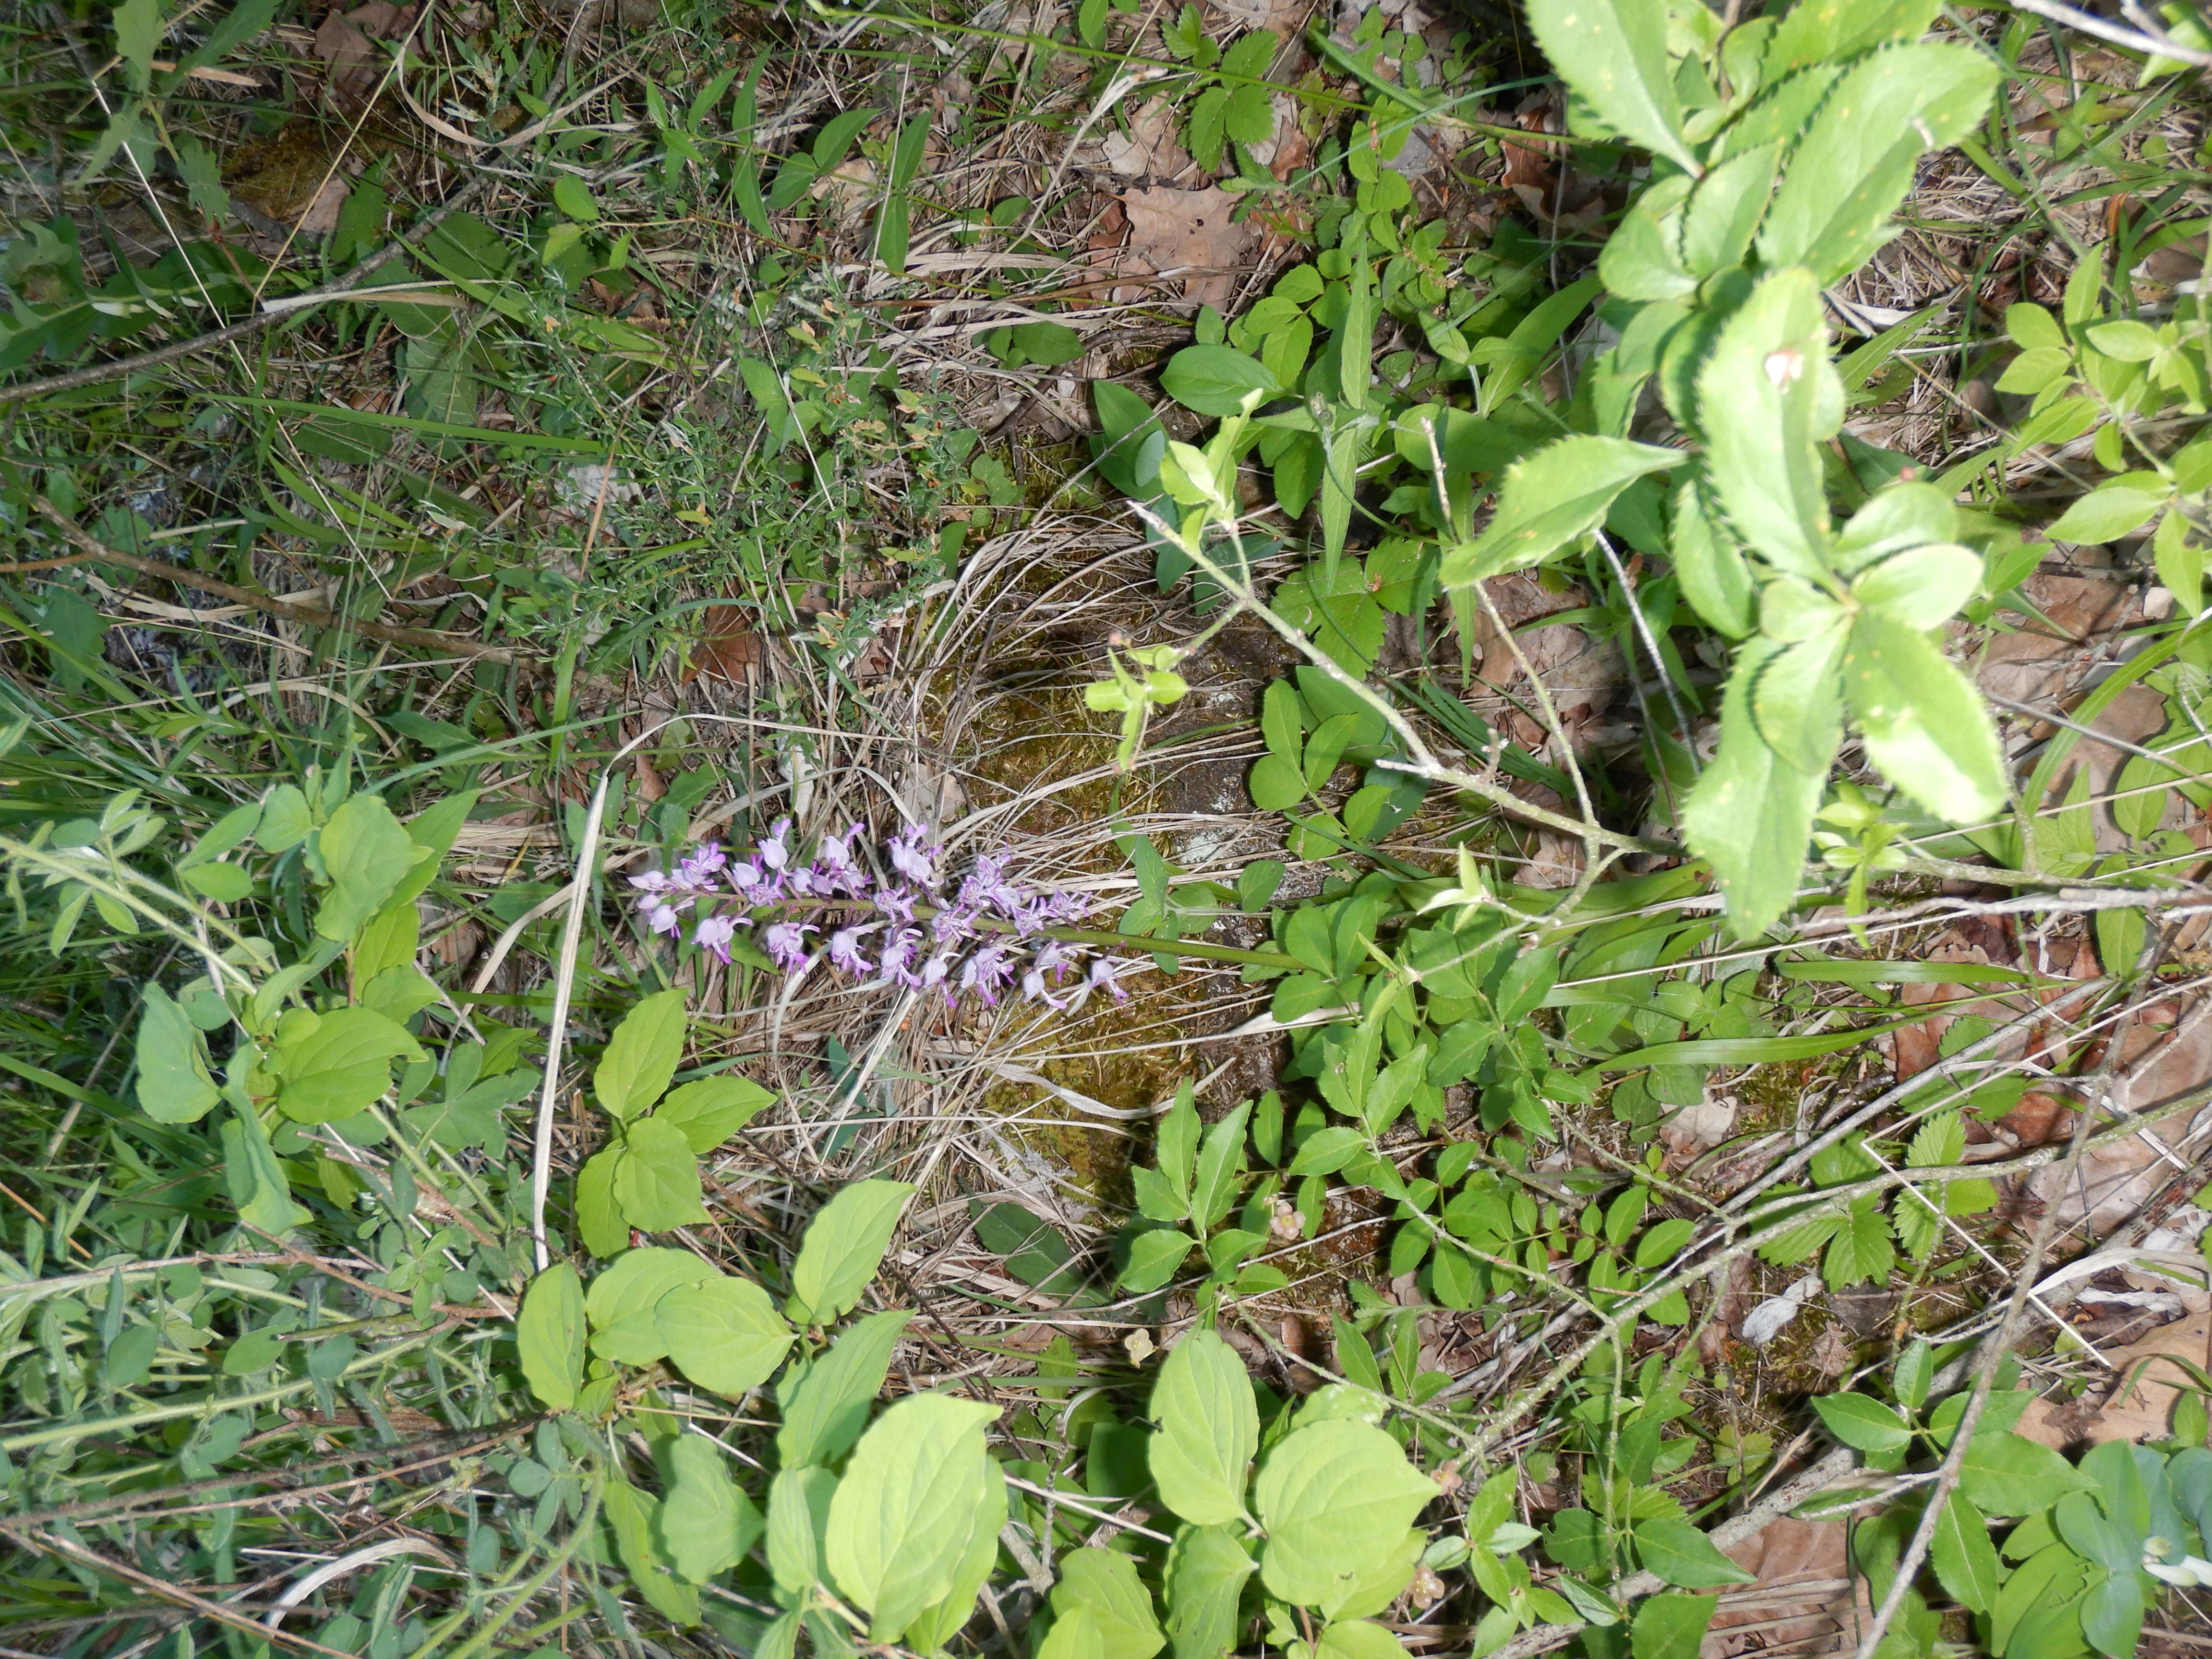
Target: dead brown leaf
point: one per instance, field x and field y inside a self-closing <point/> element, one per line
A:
<point x="2152" y="1379"/>
<point x="1149" y="149"/>
<point x="345" y="42"/>
<point x="1189" y="234"/>
<point x="729" y="649"/>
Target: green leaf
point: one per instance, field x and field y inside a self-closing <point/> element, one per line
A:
<point x="1862" y="1424"/>
<point x="1751" y="813"/>
<point x="1220" y="1171"/>
<point x="336" y="1064"/>
<point x="1215" y="380"/>
<point x="1327" y="1151"/>
<point x="138" y="36"/>
<point x="640" y="1057"/>
<point x="2119" y="507"/>
<point x="175" y="1084"/>
<point x="1922" y="587"/>
<point x="634" y="1518"/>
<point x="1965" y="1561"/>
<point x="1209" y="1430"/>
<point x="1357" y="1638"/>
<point x="945" y="1620"/>
<point x="1683" y="1555"/>
<point x="1642" y="259"/>
<point x="824" y="1401"/>
<point x="708" y="1112"/>
<point x="600" y="1226"/>
<point x="706" y="1524"/>
<point x="575" y="199"/>
<point x="1670" y="1626"/>
<point x="1335" y="1499"/>
<point x="1557" y="495"/>
<point x="843" y="1246"/>
<point x="657" y="1183"/>
<point x="1177" y="1145"/>
<point x="1860" y="1250"/>
<point x="2006" y="1473"/>
<point x="1613" y="53"/>
<point x="901" y="1519"/>
<point x="633" y="1285"/>
<point x="255" y="1180"/>
<point x="1709" y="560"/>
<point x="1156" y="1255"/>
<point x="1103" y="1583"/>
<point x="1857" y="160"/>
<point x="1206" y="1568"/>
<point x="1798" y="698"/>
<point x="366" y="853"/>
<point x="1277" y="784"/>
<point x="1922" y="722"/>
<point x="1768" y="398"/>
<point x="1916" y="1368"/>
<point x="2112" y="1616"/>
<point x="798" y="1519"/>
<point x="724" y="1333"/>
<point x="1724" y="210"/>
<point x="549" y="1333"/>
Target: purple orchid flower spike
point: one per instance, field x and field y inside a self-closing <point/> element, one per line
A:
<point x="845" y="950"/>
<point x="713" y="934"/>
<point x="911" y="858"/>
<point x="775" y="851"/>
<point x="785" y="942"/>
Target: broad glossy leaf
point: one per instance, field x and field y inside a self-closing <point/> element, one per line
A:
<point x="1798" y="699"/>
<point x="943" y="1620"/>
<point x="1209" y="1430"/>
<point x="708" y="1112"/>
<point x="1923" y="723"/>
<point x="174" y="1084"/>
<point x="600" y="1226"/>
<point x="1767" y="399"/>
<point x="633" y="1283"/>
<point x="1682" y="1555"/>
<point x="1215" y="380"/>
<point x="1103" y="1583"/>
<point x="657" y="1183"/>
<point x="366" y="853"/>
<point x="1561" y="493"/>
<point x="1751" y="813"/>
<point x="2112" y="1616"/>
<point x="2116" y="508"/>
<point x="1670" y="1625"/>
<point x="336" y="1064"/>
<point x="724" y="1333"/>
<point x="1357" y="1638"/>
<point x="634" y="1518"/>
<point x="1863" y="1424"/>
<point x="1856" y="159"/>
<point x="843" y="1246"/>
<point x="1965" y="1561"/>
<point x="641" y="1056"/>
<point x="706" y="1522"/>
<point x="1336" y="1500"/>
<point x="1205" y="1573"/>
<point x="2006" y="1473"/>
<point x="1614" y="54"/>
<point x="798" y="1519"/>
<point x="825" y="1402"/>
<point x="1922" y="587"/>
<point x="549" y="1333"/>
<point x="901" y="1519"/>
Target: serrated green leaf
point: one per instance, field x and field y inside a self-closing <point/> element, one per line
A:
<point x="1751" y="813"/>
<point x="1613" y="53"/>
<point x="1922" y="587"/>
<point x="1557" y="495"/>
<point x="1768" y="398"/>
<point x="1856" y="159"/>
<point x="1923" y="723"/>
